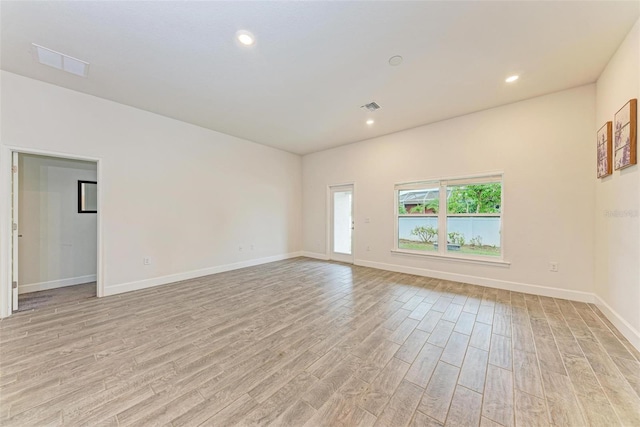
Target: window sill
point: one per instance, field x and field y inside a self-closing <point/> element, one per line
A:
<point x="472" y="260"/>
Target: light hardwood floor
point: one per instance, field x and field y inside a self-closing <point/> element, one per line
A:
<point x="55" y="297"/>
<point x="305" y="342"/>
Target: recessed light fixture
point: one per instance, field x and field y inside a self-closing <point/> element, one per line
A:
<point x="370" y="122"/>
<point x="395" y="60"/>
<point x="511" y="79"/>
<point x="245" y="37"/>
<point x="60" y="61"/>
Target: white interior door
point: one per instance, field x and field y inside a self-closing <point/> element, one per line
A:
<point x="342" y="223"/>
<point x="14" y="233"/>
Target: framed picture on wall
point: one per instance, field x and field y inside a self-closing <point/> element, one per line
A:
<point x="87" y="197"/>
<point x="625" y="135"/>
<point x="604" y="150"/>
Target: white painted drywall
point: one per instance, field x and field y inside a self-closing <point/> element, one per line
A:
<point x="543" y="146"/>
<point x="185" y="196"/>
<point x="617" y="227"/>
<point x="58" y="246"/>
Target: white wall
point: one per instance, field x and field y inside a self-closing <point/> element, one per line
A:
<point x="617" y="229"/>
<point x="58" y="246"/>
<point x="543" y="146"/>
<point x="185" y="196"/>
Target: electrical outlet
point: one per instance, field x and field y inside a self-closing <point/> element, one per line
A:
<point x="251" y="247"/>
<point x="368" y="248"/>
<point x="146" y="261"/>
<point x="240" y="248"/>
<point x="553" y="266"/>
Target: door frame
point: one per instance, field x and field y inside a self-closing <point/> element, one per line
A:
<point x="6" y="220"/>
<point x="329" y="230"/>
<point x="15" y="233"/>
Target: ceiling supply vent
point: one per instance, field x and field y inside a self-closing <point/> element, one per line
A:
<point x="372" y="106"/>
<point x="59" y="60"/>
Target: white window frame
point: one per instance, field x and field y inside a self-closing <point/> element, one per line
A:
<point x="443" y="183"/>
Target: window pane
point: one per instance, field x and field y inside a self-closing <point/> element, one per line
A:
<point x="418" y="221"/>
<point x="418" y="202"/>
<point x="419" y="233"/>
<point x="342" y="222"/>
<point x="474" y="198"/>
<point x="474" y="235"/>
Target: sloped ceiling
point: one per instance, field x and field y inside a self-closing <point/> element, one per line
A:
<point x="300" y="87"/>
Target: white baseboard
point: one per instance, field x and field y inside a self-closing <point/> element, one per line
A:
<point x="53" y="284"/>
<point x="315" y="255"/>
<point x="163" y="280"/>
<point x="484" y="281"/>
<point x="622" y="325"/>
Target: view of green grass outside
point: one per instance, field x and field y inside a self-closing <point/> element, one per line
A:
<point x="465" y="249"/>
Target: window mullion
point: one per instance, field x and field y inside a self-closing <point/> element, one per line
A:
<point x="442" y="219"/>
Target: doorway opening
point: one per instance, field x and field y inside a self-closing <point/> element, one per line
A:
<point x="54" y="231"/>
<point x="342" y="223"/>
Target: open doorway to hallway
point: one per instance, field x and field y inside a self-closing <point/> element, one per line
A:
<point x="55" y="230"/>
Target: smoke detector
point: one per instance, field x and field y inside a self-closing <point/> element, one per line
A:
<point x="372" y="106"/>
<point x="395" y="60"/>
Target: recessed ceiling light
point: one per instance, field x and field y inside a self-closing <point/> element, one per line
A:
<point x="245" y="37"/>
<point x="60" y="61"/>
<point x="511" y="79"/>
<point x="395" y="60"/>
<point x="370" y="122"/>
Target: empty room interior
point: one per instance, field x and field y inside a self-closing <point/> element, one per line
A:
<point x="319" y="213"/>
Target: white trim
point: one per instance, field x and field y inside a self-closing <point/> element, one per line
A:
<point x="53" y="284"/>
<point x="315" y="255"/>
<point x="5" y="219"/>
<point x="443" y="200"/>
<point x="618" y="321"/>
<point x="484" y="281"/>
<point x="445" y="257"/>
<point x="163" y="280"/>
<point x="15" y="219"/>
<point x="99" y="240"/>
<point x="436" y="180"/>
<point x="417" y="185"/>
<point x="5" y="232"/>
<point x="60" y="154"/>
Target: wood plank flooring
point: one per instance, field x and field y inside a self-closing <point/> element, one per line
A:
<point x="306" y="342"/>
<point x="55" y="297"/>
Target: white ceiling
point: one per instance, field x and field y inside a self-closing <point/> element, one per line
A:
<point x="315" y="63"/>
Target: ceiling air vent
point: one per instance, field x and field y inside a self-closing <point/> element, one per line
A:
<point x="372" y="106"/>
<point x="60" y="61"/>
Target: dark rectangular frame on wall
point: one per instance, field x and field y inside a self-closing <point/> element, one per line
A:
<point x="604" y="149"/>
<point x="625" y="130"/>
<point x="81" y="208"/>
